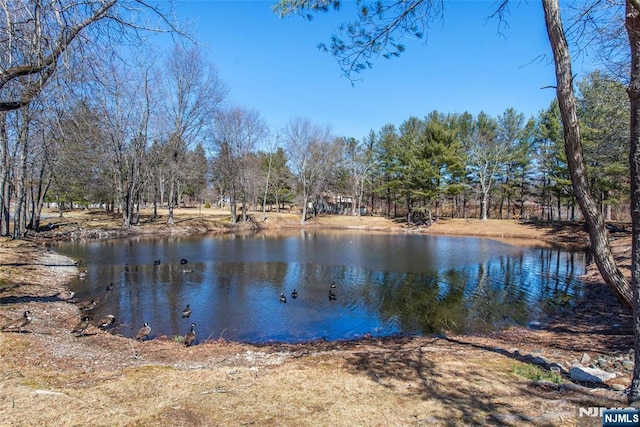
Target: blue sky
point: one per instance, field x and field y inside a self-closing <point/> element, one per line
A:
<point x="273" y="65"/>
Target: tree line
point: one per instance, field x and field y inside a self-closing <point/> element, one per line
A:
<point x="160" y="133"/>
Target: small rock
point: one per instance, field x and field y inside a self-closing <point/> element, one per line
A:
<point x="585" y="359"/>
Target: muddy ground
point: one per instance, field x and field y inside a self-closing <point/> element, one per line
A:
<point x="49" y="376"/>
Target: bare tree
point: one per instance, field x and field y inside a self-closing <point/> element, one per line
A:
<point x="194" y="95"/>
<point x="38" y="37"/>
<point x="41" y="40"/>
<point x="485" y="154"/>
<point x="310" y="156"/>
<point x="359" y="161"/>
<point x="127" y="102"/>
<point x="237" y="131"/>
<point x="273" y="141"/>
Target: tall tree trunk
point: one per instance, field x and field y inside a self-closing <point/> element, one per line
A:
<point x="305" y="200"/>
<point x="266" y="190"/>
<point x="633" y="31"/>
<point x="38" y="198"/>
<point x="483" y="205"/>
<point x="19" y="226"/>
<point x="5" y="183"/>
<point x="575" y="160"/>
<point x="233" y="205"/>
<point x="171" y="201"/>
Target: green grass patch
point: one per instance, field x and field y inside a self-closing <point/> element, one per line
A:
<point x="535" y="373"/>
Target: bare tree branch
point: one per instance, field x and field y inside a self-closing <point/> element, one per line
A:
<point x="34" y="36"/>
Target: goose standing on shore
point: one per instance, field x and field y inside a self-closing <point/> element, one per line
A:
<point x="81" y="326"/>
<point x="190" y="337"/>
<point x="18" y="324"/>
<point x="107" y="321"/>
<point x="144" y="332"/>
<point x="65" y="295"/>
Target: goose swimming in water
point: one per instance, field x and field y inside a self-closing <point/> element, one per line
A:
<point x="190" y="337"/>
<point x="156" y="262"/>
<point x="18" y="324"/>
<point x="183" y="261"/>
<point x="283" y="299"/>
<point x="294" y="294"/>
<point x="332" y="295"/>
<point x="143" y="333"/>
<point x="186" y="312"/>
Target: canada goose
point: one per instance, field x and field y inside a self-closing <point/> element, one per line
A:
<point x="183" y="261"/>
<point x="333" y="285"/>
<point x="109" y="287"/>
<point x="156" y="262"/>
<point x="332" y="296"/>
<point x="283" y="299"/>
<point x="143" y="333"/>
<point x="107" y="321"/>
<point x="186" y="312"/>
<point x="18" y="324"/>
<point x="81" y="326"/>
<point x="294" y="294"/>
<point x="190" y="337"/>
<point x="185" y="271"/>
<point x="65" y="295"/>
<point x="83" y="274"/>
<point x="87" y="305"/>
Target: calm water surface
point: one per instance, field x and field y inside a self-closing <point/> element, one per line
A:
<point x="386" y="284"/>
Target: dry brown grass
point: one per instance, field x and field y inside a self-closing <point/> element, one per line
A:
<point x="50" y="377"/>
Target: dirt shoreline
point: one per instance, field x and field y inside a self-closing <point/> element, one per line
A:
<point x="50" y="377"/>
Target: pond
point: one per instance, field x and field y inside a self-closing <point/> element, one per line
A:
<point x="385" y="284"/>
